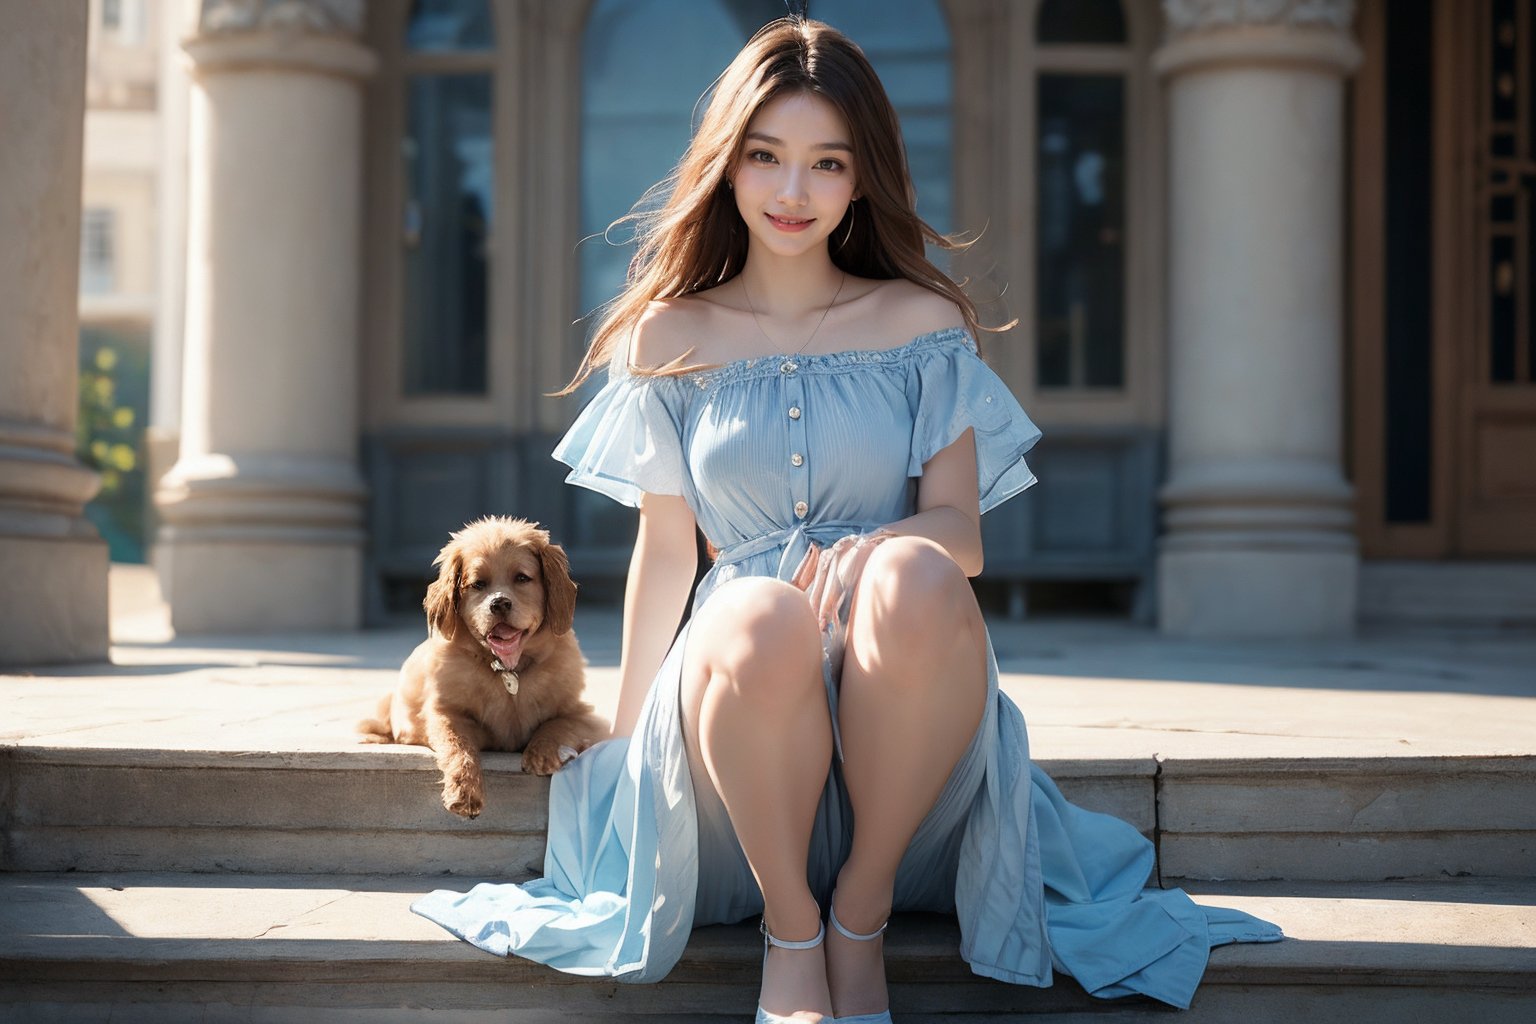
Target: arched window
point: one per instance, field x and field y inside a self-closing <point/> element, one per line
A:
<point x="449" y="179"/>
<point x="636" y="99"/>
<point x="1080" y="153"/>
<point x="637" y="112"/>
<point x="908" y="43"/>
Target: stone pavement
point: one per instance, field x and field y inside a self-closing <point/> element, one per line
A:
<point x="192" y="833"/>
<point x="1088" y="688"/>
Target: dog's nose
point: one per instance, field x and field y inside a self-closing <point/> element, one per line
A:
<point x="501" y="604"/>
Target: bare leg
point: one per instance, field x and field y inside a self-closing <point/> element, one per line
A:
<point x="755" y="719"/>
<point x="913" y="690"/>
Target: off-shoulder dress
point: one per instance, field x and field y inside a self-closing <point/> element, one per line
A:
<point x="772" y="454"/>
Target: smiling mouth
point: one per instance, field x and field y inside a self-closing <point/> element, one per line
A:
<point x="506" y="643"/>
<point x="790" y="222"/>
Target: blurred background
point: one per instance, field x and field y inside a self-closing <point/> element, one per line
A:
<point x="1273" y="266"/>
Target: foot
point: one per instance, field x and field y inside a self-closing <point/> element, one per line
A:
<point x="795" y="981"/>
<point x="856" y="967"/>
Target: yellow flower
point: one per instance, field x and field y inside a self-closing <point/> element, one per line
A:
<point x="122" y="418"/>
<point x="103" y="388"/>
<point x="109" y="481"/>
<point x="123" y="457"/>
<point x="100" y="450"/>
<point x="106" y="358"/>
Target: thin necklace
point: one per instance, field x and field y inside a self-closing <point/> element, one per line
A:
<point x="818" y="322"/>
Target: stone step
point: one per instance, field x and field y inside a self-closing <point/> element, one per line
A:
<point x="171" y="948"/>
<point x="377" y="810"/>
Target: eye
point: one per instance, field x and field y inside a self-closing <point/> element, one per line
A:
<point x="523" y="577"/>
<point x="753" y="156"/>
<point x="477" y="584"/>
<point x="837" y="165"/>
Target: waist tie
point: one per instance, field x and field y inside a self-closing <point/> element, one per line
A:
<point x="796" y="541"/>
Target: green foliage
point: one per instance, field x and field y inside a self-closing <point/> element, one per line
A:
<point x="109" y="433"/>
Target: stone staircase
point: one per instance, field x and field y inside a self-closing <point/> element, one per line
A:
<point x="270" y="880"/>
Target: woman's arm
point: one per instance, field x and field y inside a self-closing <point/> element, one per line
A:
<point x="948" y="507"/>
<point x="661" y="572"/>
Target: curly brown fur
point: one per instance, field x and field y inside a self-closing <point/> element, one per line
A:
<point x="503" y="591"/>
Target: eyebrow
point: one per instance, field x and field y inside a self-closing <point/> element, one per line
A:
<point x="779" y="142"/>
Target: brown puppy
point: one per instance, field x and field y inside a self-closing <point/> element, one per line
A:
<point x="500" y="668"/>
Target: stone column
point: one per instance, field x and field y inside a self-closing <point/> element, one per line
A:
<point x="1258" y="530"/>
<point x="262" y="513"/>
<point x="53" y="566"/>
<point x="162" y="434"/>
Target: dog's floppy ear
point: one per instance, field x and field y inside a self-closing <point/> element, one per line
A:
<point x="559" y="589"/>
<point x="442" y="601"/>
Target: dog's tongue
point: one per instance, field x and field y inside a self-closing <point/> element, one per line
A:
<point x="506" y="643"/>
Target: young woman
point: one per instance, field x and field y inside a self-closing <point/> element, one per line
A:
<point x="825" y="739"/>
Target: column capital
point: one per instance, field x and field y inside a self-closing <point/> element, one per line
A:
<point x="319" y="36"/>
<point x="327" y="17"/>
<point x="1184" y="16"/>
<point x="1203" y="34"/>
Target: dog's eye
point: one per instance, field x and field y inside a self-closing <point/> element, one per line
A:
<point x="477" y="584"/>
<point x="523" y="577"/>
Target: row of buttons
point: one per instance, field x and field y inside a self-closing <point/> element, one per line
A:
<point x="788" y="366"/>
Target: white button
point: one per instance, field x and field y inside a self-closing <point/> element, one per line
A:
<point x="801" y="508"/>
<point x="989" y="398"/>
<point x="788" y="366"/>
<point x="797" y="458"/>
<point x="794" y="412"/>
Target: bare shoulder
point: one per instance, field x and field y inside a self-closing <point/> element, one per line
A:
<point x="665" y="331"/>
<point x="912" y="310"/>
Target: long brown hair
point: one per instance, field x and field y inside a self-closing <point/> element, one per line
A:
<point x="696" y="238"/>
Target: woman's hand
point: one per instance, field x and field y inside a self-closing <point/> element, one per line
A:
<point x="828" y="575"/>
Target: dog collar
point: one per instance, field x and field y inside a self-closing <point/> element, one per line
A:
<point x="509" y="677"/>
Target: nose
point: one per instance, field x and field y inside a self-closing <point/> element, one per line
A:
<point x="792" y="188"/>
<point x="501" y="604"/>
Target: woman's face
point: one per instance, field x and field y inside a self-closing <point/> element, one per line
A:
<point x="795" y="177"/>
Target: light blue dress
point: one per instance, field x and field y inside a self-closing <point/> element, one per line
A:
<point x="639" y="851"/>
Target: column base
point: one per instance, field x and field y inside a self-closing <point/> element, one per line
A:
<point x="53" y="600"/>
<point x="1235" y="593"/>
<point x="233" y="586"/>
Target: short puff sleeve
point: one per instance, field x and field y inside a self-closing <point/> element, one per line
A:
<point x="950" y="389"/>
<point x="627" y="440"/>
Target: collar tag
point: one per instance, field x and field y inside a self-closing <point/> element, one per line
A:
<point x="508" y="675"/>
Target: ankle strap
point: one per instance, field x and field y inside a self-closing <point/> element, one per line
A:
<point x="821" y="933"/>
<point x="832" y="913"/>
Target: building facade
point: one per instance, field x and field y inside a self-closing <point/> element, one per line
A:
<point x="1272" y="262"/>
<point x="120" y="224"/>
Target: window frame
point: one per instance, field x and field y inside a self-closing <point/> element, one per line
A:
<point x="98" y="250"/>
<point x="386" y="404"/>
<point x="1140" y="399"/>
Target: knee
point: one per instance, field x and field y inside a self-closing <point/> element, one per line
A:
<point x="762" y="635"/>
<point x="916" y="590"/>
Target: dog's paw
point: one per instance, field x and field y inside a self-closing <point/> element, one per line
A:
<point x="544" y="757"/>
<point x="465" y="801"/>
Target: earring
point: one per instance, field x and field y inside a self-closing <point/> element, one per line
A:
<point x="730" y="184"/>
<point x="852" y="209"/>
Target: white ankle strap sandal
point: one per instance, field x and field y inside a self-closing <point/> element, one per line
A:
<point x="884" y="1016"/>
<point x="763" y="1016"/>
<point x="855" y="936"/>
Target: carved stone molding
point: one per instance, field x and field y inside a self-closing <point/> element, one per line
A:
<point x="1208" y="34"/>
<point x="1199" y="15"/>
<point x="219" y="17"/>
<point x="320" y="36"/>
